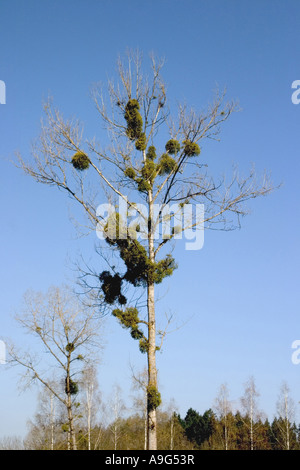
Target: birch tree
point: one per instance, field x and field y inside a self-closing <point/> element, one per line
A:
<point x="173" y="413"/>
<point x="67" y="331"/>
<point x="251" y="411"/>
<point x="286" y="414"/>
<point x="45" y="428"/>
<point x="117" y="409"/>
<point x="153" y="171"/>
<point x="223" y="408"/>
<point x="139" y="383"/>
<point x="91" y="399"/>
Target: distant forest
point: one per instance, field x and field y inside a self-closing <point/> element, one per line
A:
<point x="111" y="427"/>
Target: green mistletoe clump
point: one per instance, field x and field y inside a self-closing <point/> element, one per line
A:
<point x="80" y="161"/>
<point x="166" y="164"/>
<point x="134" y="121"/>
<point x="71" y="387"/>
<point x="172" y="146"/>
<point x="153" y="398"/>
<point x="191" y="149"/>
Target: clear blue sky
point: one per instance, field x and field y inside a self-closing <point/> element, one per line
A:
<point x="240" y="293"/>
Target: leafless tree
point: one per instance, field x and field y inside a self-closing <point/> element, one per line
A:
<point x="67" y="331"/>
<point x="135" y="114"/>
<point x="117" y="408"/>
<point x="91" y="399"/>
<point x="11" y="443"/>
<point x="45" y="428"/>
<point x="139" y="383"/>
<point x="249" y="402"/>
<point x="172" y="411"/>
<point x="223" y="408"/>
<point x="286" y="413"/>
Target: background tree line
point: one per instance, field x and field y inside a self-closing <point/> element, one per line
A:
<point x="111" y="425"/>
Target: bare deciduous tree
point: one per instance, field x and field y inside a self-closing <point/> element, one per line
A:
<point x="286" y="413"/>
<point x="45" y="428"/>
<point x="156" y="182"/>
<point x="91" y="399"/>
<point x="11" y="443"/>
<point x="250" y="406"/>
<point x="67" y="330"/>
<point x="223" y="408"/>
<point x="117" y="409"/>
<point x="139" y="383"/>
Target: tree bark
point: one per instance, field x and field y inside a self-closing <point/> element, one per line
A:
<point x="71" y="434"/>
<point x="287" y="423"/>
<point x="52" y="421"/>
<point x="152" y="372"/>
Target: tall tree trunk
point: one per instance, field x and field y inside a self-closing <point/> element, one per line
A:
<point x="226" y="433"/>
<point x="152" y="372"/>
<point x="145" y="424"/>
<point x="89" y="428"/>
<point x="52" y="420"/>
<point x="89" y="395"/>
<point x="172" y="433"/>
<point x="251" y="423"/>
<point x="71" y="435"/>
<point x="287" y="423"/>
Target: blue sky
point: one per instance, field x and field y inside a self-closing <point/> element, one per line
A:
<point x="238" y="297"/>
